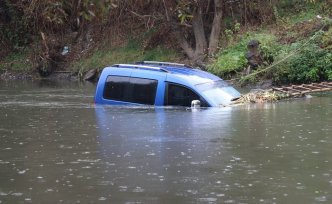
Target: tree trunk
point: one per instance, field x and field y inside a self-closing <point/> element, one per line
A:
<point x="216" y="27"/>
<point x="184" y="44"/>
<point x="200" y="38"/>
<point x="197" y="53"/>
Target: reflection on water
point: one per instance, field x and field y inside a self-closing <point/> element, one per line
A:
<point x="58" y="147"/>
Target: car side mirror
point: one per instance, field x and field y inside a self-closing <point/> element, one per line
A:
<point x="195" y="104"/>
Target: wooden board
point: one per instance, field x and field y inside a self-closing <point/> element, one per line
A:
<point x="296" y="90"/>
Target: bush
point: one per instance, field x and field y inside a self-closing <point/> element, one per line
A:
<point x="232" y="59"/>
<point x="228" y="63"/>
<point x="311" y="64"/>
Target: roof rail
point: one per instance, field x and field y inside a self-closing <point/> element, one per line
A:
<point x="137" y="66"/>
<point x="162" y="63"/>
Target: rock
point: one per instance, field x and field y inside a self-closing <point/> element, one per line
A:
<point x="91" y="75"/>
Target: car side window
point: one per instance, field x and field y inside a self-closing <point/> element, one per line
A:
<point x="133" y="90"/>
<point x="177" y="95"/>
<point x="143" y="91"/>
<point x="116" y="88"/>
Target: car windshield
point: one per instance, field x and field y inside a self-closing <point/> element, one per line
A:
<point x="212" y="85"/>
<point x="218" y="92"/>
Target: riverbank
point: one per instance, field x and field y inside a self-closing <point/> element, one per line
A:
<point x="295" y="48"/>
<point x="6" y="75"/>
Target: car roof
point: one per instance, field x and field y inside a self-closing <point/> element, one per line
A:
<point x="175" y="72"/>
<point x="192" y="76"/>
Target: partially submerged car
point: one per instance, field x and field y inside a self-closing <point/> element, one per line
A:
<point x="162" y="84"/>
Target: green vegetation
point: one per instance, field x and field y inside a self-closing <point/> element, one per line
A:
<point x="326" y="40"/>
<point x="117" y="55"/>
<point x="232" y="59"/>
<point x="310" y="64"/>
<point x="295" y="36"/>
<point x="297" y="50"/>
<point x="18" y="61"/>
<point x="308" y="59"/>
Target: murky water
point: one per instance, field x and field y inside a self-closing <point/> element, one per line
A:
<point x="58" y="147"/>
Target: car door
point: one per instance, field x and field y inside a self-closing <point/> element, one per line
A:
<point x="179" y="95"/>
<point x="148" y="85"/>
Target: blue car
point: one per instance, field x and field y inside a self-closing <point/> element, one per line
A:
<point x="162" y="84"/>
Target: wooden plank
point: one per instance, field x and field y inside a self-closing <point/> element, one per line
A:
<point x="297" y="94"/>
<point x="277" y="89"/>
<point x="311" y="86"/>
<point x="316" y="90"/>
<point x="322" y="85"/>
<point x="314" y="85"/>
<point x="301" y="88"/>
<point x="280" y="90"/>
<point x="327" y="83"/>
<point x="306" y="88"/>
<point x="292" y="89"/>
<point x="296" y="90"/>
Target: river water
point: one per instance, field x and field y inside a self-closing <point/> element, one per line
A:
<point x="58" y="147"/>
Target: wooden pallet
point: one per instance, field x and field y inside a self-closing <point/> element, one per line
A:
<point x="300" y="90"/>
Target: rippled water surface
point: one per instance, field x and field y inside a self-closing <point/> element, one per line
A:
<point x="58" y="147"/>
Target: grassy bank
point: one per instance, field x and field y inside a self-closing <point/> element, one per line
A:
<point x="18" y="61"/>
<point x="297" y="49"/>
<point x="102" y="56"/>
<point x="132" y="52"/>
